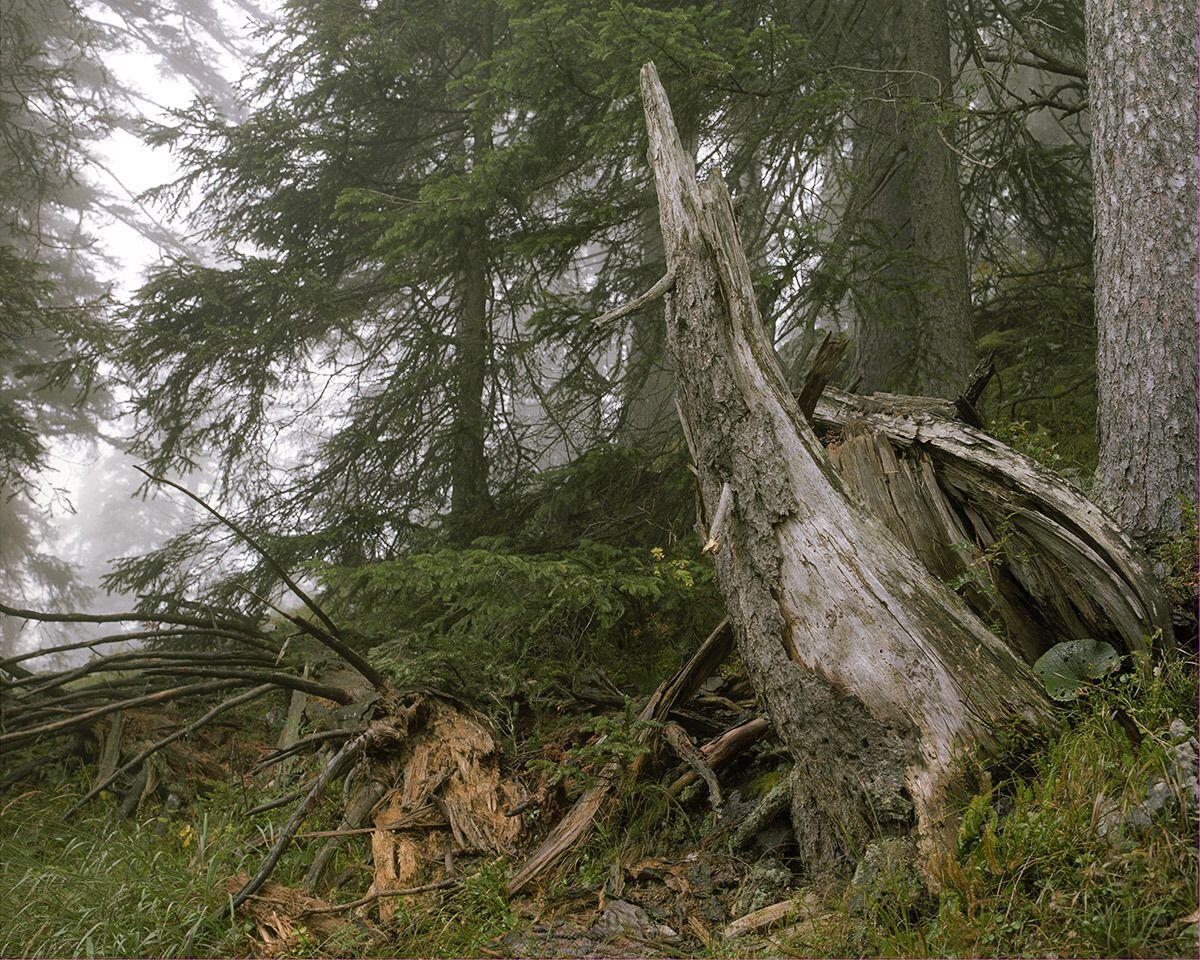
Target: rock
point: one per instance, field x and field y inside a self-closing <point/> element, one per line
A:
<point x="765" y="883"/>
<point x="623" y="919"/>
<point x="887" y="867"/>
<point x="1163" y="795"/>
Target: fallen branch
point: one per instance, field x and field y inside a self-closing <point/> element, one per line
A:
<point x="134" y="635"/>
<point x="427" y="816"/>
<point x="335" y="767"/>
<point x="687" y="752"/>
<point x="319" y="737"/>
<point x="149" y="617"/>
<point x="160" y="696"/>
<point x="330" y="636"/>
<point x="356" y="814"/>
<point x="280" y="801"/>
<point x="285" y="680"/>
<point x="372" y="897"/>
<point x="722" y="749"/>
<point x="578" y="821"/>
<point x="168" y="740"/>
<point x="768" y="916"/>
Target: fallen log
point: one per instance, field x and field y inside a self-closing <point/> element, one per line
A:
<point x="878" y="679"/>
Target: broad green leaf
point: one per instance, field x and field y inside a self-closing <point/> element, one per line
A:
<point x="1067" y="667"/>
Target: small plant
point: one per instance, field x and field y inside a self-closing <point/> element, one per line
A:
<point x="1035" y="441"/>
<point x="612" y="740"/>
<point x="1177" y="558"/>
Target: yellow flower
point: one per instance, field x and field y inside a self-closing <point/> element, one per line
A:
<point x="187" y="835"/>
<point x="657" y="553"/>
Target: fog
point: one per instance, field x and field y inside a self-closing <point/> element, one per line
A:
<point x="85" y="509"/>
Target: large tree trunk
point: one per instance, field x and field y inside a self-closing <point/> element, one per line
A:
<point x="887" y="337"/>
<point x="942" y="294"/>
<point x="910" y="292"/>
<point x="1142" y="79"/>
<point x="877" y="678"/>
<point x="468" y="464"/>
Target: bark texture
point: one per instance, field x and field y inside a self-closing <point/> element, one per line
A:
<point x="468" y="476"/>
<point x="1143" y="80"/>
<point x="939" y="229"/>
<point x="468" y="465"/>
<point x="876" y="677"/>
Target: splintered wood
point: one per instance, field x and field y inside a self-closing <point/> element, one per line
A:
<point x="448" y="792"/>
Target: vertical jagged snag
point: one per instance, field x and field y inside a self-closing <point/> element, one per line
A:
<point x="878" y="679"/>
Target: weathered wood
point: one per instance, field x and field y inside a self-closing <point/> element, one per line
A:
<point x="825" y="361"/>
<point x="290" y="732"/>
<point x="722" y="749"/>
<point x="679" y="741"/>
<point x="876" y="676"/>
<point x="770" y="915"/>
<point x="111" y="754"/>
<point x="1059" y="566"/>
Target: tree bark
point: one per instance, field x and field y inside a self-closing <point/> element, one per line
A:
<point x="911" y="298"/>
<point x="469" y="467"/>
<point x="877" y="678"/>
<point x="468" y="477"/>
<point x="947" y="353"/>
<point x="887" y="334"/>
<point x="1142" y="78"/>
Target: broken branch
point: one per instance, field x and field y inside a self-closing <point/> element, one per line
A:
<point x="661" y="287"/>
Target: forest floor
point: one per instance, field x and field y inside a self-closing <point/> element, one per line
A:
<point x="1083" y="846"/>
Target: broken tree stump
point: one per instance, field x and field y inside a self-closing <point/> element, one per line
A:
<point x="877" y="678"/>
<point x="1028" y="549"/>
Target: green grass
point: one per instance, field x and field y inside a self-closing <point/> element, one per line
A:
<point x="82" y="886"/>
<point x="1032" y="876"/>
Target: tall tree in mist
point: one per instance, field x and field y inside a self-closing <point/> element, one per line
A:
<point x="1142" y="77"/>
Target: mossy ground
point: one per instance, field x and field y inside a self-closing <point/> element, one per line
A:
<point x="1033" y="876"/>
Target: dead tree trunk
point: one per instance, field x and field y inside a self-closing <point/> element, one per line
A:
<point x="877" y="678"/>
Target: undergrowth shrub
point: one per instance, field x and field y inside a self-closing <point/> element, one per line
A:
<point x="499" y="624"/>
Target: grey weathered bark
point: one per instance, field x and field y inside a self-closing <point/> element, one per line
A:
<point x="877" y="678"/>
<point x="1142" y="81"/>
<point x="1031" y="553"/>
